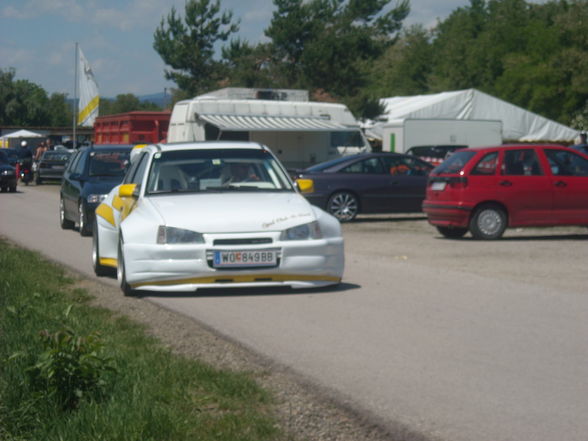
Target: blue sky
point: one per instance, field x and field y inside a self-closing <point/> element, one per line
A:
<point x="37" y="38"/>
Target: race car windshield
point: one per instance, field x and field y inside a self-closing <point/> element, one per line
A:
<point x="216" y="170"/>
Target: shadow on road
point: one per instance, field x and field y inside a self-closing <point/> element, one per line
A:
<point x="245" y="292"/>
<point x="530" y="238"/>
<point x="391" y="218"/>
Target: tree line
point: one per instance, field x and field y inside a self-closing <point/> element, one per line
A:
<point x="358" y="51"/>
<point x="26" y="104"/>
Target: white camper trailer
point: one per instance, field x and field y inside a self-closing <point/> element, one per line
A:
<point x="401" y="135"/>
<point x="298" y="131"/>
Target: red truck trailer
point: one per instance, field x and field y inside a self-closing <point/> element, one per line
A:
<point x="131" y="128"/>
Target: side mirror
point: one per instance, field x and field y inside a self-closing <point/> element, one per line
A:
<point x="75" y="176"/>
<point x="128" y="191"/>
<point x="305" y="185"/>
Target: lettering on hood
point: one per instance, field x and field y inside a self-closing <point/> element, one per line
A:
<point x="281" y="219"/>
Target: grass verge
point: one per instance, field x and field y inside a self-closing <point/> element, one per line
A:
<point x="69" y="371"/>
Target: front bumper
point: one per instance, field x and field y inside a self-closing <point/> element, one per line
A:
<point x="302" y="264"/>
<point x="8" y="180"/>
<point x="447" y="215"/>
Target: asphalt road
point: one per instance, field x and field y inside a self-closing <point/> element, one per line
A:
<point x="455" y="339"/>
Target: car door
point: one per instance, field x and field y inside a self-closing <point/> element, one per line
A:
<point x="367" y="179"/>
<point x="569" y="183"/>
<point x="406" y="183"/>
<point x="525" y="188"/>
<point x="71" y="186"/>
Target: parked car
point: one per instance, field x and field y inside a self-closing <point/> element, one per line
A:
<point x="434" y="154"/>
<point x="51" y="166"/>
<point x="184" y="218"/>
<point x="11" y="154"/>
<point x="486" y="190"/>
<point x="7" y="173"/>
<point x="91" y="173"/>
<point x="366" y="183"/>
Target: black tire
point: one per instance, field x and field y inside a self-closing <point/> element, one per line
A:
<point x="13" y="189"/>
<point x="452" y="233"/>
<point x="99" y="270"/>
<point x="65" y="223"/>
<point x="488" y="222"/>
<point x="343" y="205"/>
<point x="121" y="273"/>
<point x="85" y="229"/>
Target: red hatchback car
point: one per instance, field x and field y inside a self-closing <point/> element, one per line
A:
<point x="486" y="190"/>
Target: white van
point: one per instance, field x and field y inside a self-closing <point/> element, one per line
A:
<point x="298" y="131"/>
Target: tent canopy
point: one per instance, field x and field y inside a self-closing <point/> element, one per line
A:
<point x="22" y="134"/>
<point x="518" y="124"/>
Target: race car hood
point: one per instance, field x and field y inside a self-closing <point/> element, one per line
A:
<point x="233" y="212"/>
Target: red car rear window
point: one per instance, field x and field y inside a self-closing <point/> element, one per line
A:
<point x="455" y="163"/>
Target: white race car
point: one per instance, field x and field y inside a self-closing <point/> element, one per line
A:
<point x="213" y="215"/>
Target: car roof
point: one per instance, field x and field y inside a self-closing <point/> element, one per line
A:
<point x="514" y="146"/>
<point x="205" y="145"/>
<point x="195" y="145"/>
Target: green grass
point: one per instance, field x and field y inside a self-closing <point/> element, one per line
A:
<point x="139" y="390"/>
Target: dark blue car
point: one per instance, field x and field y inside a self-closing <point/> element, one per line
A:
<point x="89" y="176"/>
<point x="366" y="183"/>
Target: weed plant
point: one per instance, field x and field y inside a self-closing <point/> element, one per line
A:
<point x="72" y="372"/>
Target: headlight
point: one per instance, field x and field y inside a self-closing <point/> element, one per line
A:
<point x="8" y="172"/>
<point x="95" y="198"/>
<point x="308" y="231"/>
<point x="167" y="235"/>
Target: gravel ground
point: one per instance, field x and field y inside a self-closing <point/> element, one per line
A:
<point x="304" y="411"/>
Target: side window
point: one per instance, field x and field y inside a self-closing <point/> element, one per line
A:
<point x="565" y="163"/>
<point x="370" y="166"/>
<point x="400" y="165"/>
<point x="73" y="161"/>
<point x="136" y="177"/>
<point x="78" y="166"/>
<point x="487" y="165"/>
<point x="416" y="167"/>
<point x="521" y="163"/>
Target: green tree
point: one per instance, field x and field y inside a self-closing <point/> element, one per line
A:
<point x="59" y="110"/>
<point x="249" y="66"/>
<point x="23" y="102"/>
<point x="188" y="45"/>
<point x="405" y="67"/>
<point x="124" y="103"/>
<point x="331" y="44"/>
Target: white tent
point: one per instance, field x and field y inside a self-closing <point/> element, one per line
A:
<point x="22" y="134"/>
<point x="518" y="124"/>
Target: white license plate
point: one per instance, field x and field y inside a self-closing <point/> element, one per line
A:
<point x="226" y="259"/>
<point x="438" y="186"/>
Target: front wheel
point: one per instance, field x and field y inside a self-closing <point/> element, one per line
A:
<point x="452" y="233"/>
<point x="343" y="205"/>
<point x="488" y="222"/>
<point x="121" y="274"/>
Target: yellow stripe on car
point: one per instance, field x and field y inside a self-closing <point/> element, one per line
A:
<point x="106" y="261"/>
<point x="105" y="212"/>
<point x="117" y="203"/>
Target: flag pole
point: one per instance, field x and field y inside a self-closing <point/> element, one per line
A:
<point x="75" y="106"/>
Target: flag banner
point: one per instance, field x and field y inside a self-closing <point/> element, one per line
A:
<point x="88" y="89"/>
